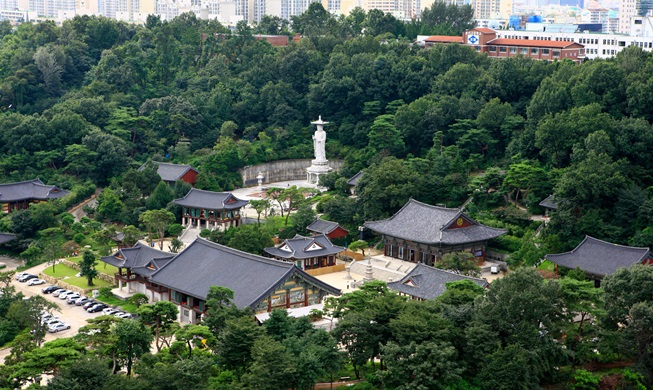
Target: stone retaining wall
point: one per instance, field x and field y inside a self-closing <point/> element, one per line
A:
<point x="62" y="284"/>
<point x="101" y="275"/>
<point x="283" y="170"/>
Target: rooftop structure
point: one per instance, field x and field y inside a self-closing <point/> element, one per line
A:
<point x="353" y="181"/>
<point x="425" y="283"/>
<point x="257" y="282"/>
<point x="307" y="252"/>
<point x="330" y="229"/>
<point x="217" y="210"/>
<point x="15" y="196"/>
<point x="6" y="237"/>
<point x="599" y="258"/>
<point x="423" y="233"/>
<point x="549" y="203"/>
<point x="170" y="173"/>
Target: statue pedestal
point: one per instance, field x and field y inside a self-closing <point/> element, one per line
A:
<point x="316" y="169"/>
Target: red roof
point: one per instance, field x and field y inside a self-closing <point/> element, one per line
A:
<point x="483" y="30"/>
<point x="444" y="38"/>
<point x="533" y="43"/>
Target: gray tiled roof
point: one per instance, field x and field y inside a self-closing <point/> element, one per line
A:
<point x="600" y="257"/>
<point x="170" y="172"/>
<point x="429" y="283"/>
<point x="299" y="245"/>
<point x="31" y="189"/>
<point x="252" y="278"/>
<point x="354" y="179"/>
<point x="427" y="224"/>
<point x="138" y="258"/>
<point x="323" y="226"/>
<point x="6" y="237"/>
<point x="210" y="200"/>
<point x="549" y="203"/>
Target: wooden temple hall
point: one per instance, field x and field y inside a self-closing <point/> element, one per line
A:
<point x="423" y="233"/>
<point x="210" y="210"/>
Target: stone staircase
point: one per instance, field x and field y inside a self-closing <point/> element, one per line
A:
<point x="189" y="235"/>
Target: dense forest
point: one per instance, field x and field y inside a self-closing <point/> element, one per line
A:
<point x="84" y="104"/>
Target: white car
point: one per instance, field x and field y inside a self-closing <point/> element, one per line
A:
<point x="72" y="298"/>
<point x="20" y="275"/>
<point x="59" y="292"/>
<point x="57" y="327"/>
<point x="81" y="301"/>
<point x="123" y="315"/>
<point x="35" y="282"/>
<point x="110" y="311"/>
<point x="52" y="321"/>
<point x="67" y="294"/>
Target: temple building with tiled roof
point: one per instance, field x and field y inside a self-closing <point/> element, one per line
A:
<point x="135" y="267"/>
<point x="210" y="210"/>
<point x="18" y="196"/>
<point x="426" y="283"/>
<point x="422" y="233"/>
<point x="171" y="173"/>
<point x="600" y="258"/>
<point x="353" y="182"/>
<point x="307" y="252"/>
<point x="330" y="229"/>
<point x="6" y="237"/>
<point x="549" y="203"/>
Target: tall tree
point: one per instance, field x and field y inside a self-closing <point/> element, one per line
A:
<point x="132" y="341"/>
<point x="159" y="316"/>
<point x="87" y="266"/>
<point x="157" y="220"/>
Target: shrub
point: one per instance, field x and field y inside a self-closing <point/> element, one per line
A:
<point x="105" y="292"/>
<point x="584" y="380"/>
<point x="138" y="299"/>
<point x="175" y="229"/>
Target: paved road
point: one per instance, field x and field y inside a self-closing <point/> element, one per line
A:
<point x="70" y="314"/>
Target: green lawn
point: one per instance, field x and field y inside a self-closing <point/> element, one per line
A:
<point x="113" y="301"/>
<point x="67" y="274"/>
<point x="101" y="267"/>
<point x="546" y="265"/>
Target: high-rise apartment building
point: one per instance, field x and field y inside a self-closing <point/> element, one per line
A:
<point x="631" y="8"/>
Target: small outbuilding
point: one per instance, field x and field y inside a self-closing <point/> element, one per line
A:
<point x="330" y="229"/>
<point x="171" y="173"/>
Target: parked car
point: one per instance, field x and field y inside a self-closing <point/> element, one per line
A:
<point x="71" y="298"/>
<point x="51" y="321"/>
<point x="89" y="304"/>
<point x="123" y="315"/>
<point x="57" y="327"/>
<point x="97" y="307"/>
<point x="82" y="300"/>
<point x="50" y="289"/>
<point x="59" y="292"/>
<point x="35" y="282"/>
<point x="66" y="294"/>
<point x="20" y="275"/>
<point x="25" y="278"/>
<point x="110" y="311"/>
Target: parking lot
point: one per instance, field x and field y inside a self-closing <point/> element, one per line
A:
<point x="73" y="315"/>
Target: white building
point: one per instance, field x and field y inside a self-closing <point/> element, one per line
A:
<point x="596" y="45"/>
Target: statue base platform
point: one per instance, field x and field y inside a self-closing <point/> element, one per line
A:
<point x="317" y="169"/>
